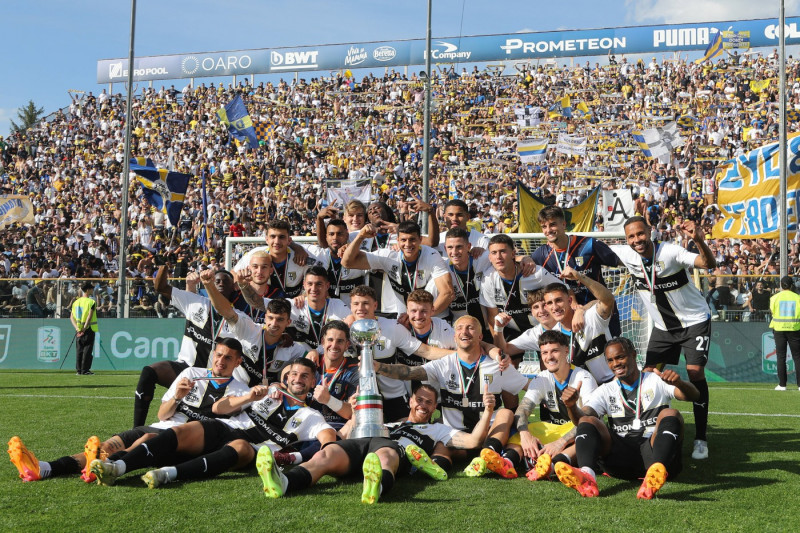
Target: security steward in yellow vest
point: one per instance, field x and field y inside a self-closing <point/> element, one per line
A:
<point x="785" y="309"/>
<point x="84" y="320"/>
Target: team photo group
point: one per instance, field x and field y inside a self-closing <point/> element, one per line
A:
<point x="286" y="356"/>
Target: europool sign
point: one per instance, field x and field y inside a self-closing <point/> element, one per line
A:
<point x="471" y="49"/>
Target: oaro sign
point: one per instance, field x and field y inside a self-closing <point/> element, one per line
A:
<point x="471" y="49"/>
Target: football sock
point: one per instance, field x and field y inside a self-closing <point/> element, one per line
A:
<point x="443" y="462"/>
<point x="668" y="440"/>
<point x="116" y="456"/>
<point x="144" y="395"/>
<point x="63" y="466"/>
<point x="700" y="408"/>
<point x="148" y="453"/>
<point x="208" y="465"/>
<point x="387" y="481"/>
<point x="587" y="444"/>
<point x="514" y="457"/>
<point x="44" y="470"/>
<point x="493" y="444"/>
<point x="299" y="478"/>
<point x="561" y="458"/>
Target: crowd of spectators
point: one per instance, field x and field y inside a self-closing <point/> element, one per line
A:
<point x="371" y="128"/>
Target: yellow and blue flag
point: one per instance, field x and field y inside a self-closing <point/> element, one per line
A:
<point x="578" y="218"/>
<point x="164" y="190"/>
<point x="156" y="113"/>
<point x="582" y="109"/>
<point x="562" y="107"/>
<point x="714" y="48"/>
<point x="264" y="130"/>
<point x="142" y="162"/>
<point x="234" y="116"/>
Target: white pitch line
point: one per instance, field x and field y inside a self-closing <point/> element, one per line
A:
<point x="66" y="396"/>
<point x="772" y="415"/>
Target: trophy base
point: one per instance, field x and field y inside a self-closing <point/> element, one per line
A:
<point x="369" y="430"/>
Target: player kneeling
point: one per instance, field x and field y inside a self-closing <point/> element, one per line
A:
<point x="644" y="435"/>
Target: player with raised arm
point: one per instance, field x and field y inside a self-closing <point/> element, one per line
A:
<point x="219" y="445"/>
<point x="681" y="316"/>
<point x="342" y="280"/>
<point x="203" y="326"/>
<point x="411" y="443"/>
<point x="406" y="270"/>
<point x="263" y="344"/>
<point x="586" y="255"/>
<point x="190" y="397"/>
<point x="644" y="435"/>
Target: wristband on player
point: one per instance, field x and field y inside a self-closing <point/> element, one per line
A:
<point x="334" y="403"/>
<point x="498" y="329"/>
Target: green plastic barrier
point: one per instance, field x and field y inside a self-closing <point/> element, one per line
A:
<point x="121" y="344"/>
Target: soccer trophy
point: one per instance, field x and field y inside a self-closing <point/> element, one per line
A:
<point x="369" y="404"/>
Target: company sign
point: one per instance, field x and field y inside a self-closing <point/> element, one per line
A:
<point x="474" y="49"/>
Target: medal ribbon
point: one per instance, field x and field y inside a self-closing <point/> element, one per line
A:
<point x="464" y="385"/>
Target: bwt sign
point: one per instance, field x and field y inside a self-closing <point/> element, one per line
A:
<point x="293" y="60"/>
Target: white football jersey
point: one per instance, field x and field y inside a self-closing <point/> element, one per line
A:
<point x="476" y="239"/>
<point x="546" y="391"/>
<point x="260" y="360"/>
<point x="273" y="423"/>
<point x="201" y="328"/>
<point x="454" y="376"/>
<point x="342" y="280"/>
<point x="512" y="297"/>
<point x="620" y="404"/>
<point x="197" y="404"/>
<point x="288" y="279"/>
<point x="400" y="279"/>
<point x="588" y="345"/>
<point x="467" y="288"/>
<point x="426" y="436"/>
<point x="678" y="303"/>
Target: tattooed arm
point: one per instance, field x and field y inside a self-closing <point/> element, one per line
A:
<point x="402" y="372"/>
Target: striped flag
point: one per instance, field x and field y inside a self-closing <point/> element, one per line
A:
<point x="714" y="48"/>
<point x="658" y="143"/>
<point x="532" y="150"/>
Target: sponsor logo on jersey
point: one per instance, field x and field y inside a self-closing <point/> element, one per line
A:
<point x="295" y="423"/>
<point x="579" y="260"/>
<point x="292" y="276"/>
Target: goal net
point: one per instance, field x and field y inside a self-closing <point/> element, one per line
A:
<point x="633" y="315"/>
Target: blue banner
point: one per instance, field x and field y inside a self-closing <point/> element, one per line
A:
<point x="474" y="49"/>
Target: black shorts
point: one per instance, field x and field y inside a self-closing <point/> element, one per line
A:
<point x="665" y="346"/>
<point x="217" y="434"/>
<point x="395" y="409"/>
<point x="358" y="449"/>
<point x="132" y="435"/>
<point x="630" y="457"/>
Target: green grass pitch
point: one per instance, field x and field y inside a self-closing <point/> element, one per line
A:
<point x="748" y="484"/>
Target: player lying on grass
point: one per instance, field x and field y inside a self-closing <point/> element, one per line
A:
<point x="190" y="397"/>
<point x="218" y="446"/>
<point x="554" y="435"/>
<point x="644" y="434"/>
<point x="410" y="444"/>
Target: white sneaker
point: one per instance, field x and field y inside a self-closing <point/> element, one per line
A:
<point x="779" y="387"/>
<point x="700" y="450"/>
